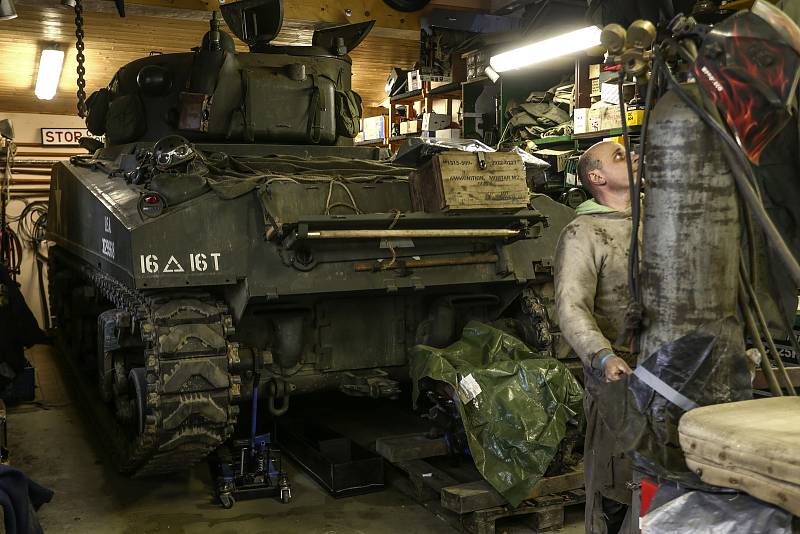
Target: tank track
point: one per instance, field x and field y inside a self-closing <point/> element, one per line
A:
<point x="189" y="403"/>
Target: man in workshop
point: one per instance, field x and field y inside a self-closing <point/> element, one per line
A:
<point x="592" y="295"/>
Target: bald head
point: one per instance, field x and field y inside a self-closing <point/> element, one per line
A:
<point x="603" y="170"/>
<point x="589" y="162"/>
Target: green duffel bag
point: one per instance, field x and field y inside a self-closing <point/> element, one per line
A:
<point x="125" y="121"/>
<point x="348" y="112"/>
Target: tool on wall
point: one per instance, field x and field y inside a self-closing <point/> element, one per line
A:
<point x="10" y="246"/>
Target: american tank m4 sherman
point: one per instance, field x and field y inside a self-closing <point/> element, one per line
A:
<point x="228" y="235"/>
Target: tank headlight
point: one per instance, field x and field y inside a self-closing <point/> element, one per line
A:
<point x="151" y="205"/>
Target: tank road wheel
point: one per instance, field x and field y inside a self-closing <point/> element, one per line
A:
<point x="533" y="322"/>
<point x="71" y="305"/>
<point x="138" y="384"/>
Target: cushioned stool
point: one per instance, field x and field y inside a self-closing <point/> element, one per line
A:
<point x="752" y="446"/>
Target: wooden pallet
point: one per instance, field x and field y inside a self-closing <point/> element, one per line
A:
<point x="474" y="506"/>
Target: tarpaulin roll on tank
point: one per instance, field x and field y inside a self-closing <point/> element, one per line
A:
<point x="701" y="368"/>
<point x="232" y="177"/>
<point x="515" y="404"/>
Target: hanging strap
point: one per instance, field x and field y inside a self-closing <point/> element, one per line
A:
<point x="664" y="389"/>
<point x="314" y="112"/>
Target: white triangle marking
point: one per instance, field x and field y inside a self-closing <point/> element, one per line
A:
<point x="173" y="266"/>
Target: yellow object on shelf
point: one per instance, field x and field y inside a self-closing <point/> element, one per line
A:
<point x="635" y="117"/>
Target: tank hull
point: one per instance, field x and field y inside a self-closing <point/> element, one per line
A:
<point x="295" y="315"/>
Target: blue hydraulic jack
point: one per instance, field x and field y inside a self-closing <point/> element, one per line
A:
<point x="251" y="468"/>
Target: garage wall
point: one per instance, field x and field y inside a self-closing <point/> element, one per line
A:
<point x="28" y="187"/>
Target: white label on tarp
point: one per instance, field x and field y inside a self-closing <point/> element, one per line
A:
<point x="396" y="243"/>
<point x="468" y="389"/>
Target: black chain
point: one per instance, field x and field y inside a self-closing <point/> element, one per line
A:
<point x="79" y="46"/>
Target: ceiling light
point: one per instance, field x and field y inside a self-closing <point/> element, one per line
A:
<point x="50" y="65"/>
<point x="561" y="45"/>
<point x="7" y="10"/>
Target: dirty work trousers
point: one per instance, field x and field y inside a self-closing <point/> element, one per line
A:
<point x="607" y="471"/>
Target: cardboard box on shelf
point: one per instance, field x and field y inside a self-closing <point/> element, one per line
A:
<point x="595" y="119"/>
<point x="374" y="127"/>
<point x="556" y="158"/>
<point x="410" y="127"/>
<point x="611" y="118"/>
<point x="415" y="79"/>
<point x="580" y="120"/>
<point x="609" y="92"/>
<point x="449" y="133"/>
<point x="435" y="121"/>
<point x="604" y="118"/>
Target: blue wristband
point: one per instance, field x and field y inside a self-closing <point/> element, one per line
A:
<point x="604" y="359"/>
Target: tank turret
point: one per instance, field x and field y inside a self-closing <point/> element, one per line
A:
<point x="285" y="94"/>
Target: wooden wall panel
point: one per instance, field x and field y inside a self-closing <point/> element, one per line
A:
<point x="111" y="42"/>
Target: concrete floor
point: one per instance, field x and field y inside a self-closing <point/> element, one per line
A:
<point x="55" y="446"/>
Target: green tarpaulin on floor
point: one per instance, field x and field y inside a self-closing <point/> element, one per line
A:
<point x="515" y="404"/>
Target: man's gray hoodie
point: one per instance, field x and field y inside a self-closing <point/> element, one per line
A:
<point x="591" y="279"/>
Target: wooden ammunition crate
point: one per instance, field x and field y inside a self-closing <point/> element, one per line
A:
<point x="456" y="180"/>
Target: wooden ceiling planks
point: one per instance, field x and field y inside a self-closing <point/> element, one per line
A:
<point x="372" y="62"/>
<point x="112" y="42"/>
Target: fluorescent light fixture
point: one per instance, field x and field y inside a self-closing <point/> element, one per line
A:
<point x="50" y="65"/>
<point x="562" y="45"/>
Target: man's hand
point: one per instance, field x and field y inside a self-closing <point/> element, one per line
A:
<point x="615" y="368"/>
